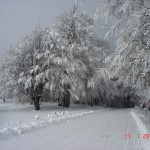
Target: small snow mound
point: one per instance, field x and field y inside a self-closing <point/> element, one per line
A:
<point x="26" y="127"/>
<point x="62" y="113"/>
<point x="66" y="112"/>
<point x="56" y="113"/>
<point x="18" y="122"/>
<point x="4" y="130"/>
<point x="36" y="117"/>
<point x="43" y="122"/>
<point x="48" y="115"/>
<point x="17" y="129"/>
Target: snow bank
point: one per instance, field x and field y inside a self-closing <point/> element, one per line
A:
<point x="142" y="129"/>
<point x="55" y="117"/>
<point x="139" y="123"/>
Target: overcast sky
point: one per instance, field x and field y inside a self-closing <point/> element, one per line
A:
<point x="19" y="17"/>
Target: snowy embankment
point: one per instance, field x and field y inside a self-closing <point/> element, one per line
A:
<point x="45" y="120"/>
<point x="142" y="130"/>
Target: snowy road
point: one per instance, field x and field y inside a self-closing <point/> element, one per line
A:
<point x="103" y="130"/>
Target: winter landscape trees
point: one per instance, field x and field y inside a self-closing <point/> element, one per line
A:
<point x="63" y="62"/>
<point x="130" y="25"/>
<point x="70" y="63"/>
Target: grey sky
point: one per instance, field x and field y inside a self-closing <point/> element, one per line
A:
<point x="19" y="17"/>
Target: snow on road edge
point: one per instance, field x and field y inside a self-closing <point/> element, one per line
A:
<point x="56" y="117"/>
<point x="142" y="129"/>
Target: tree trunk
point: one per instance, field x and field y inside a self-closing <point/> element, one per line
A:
<point x="59" y="101"/>
<point x="66" y="99"/>
<point x="36" y="103"/>
<point x="66" y="96"/>
<point x="96" y="101"/>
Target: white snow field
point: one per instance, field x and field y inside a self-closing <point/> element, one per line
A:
<point x="76" y="128"/>
<point x="18" y="119"/>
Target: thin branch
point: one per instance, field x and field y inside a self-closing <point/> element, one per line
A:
<point x="141" y="4"/>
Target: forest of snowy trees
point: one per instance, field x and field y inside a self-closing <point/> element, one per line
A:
<point x="70" y="63"/>
<point x="131" y="26"/>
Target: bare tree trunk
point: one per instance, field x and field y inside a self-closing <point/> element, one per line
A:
<point x="36" y="102"/>
<point x="37" y="105"/>
<point x="67" y="99"/>
<point x="59" y="101"/>
<point x="66" y="96"/>
<point x="4" y="99"/>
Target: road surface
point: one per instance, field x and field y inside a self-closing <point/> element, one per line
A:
<point x="104" y="130"/>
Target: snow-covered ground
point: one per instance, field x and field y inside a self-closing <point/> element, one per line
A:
<point x="18" y="119"/>
<point x="79" y="127"/>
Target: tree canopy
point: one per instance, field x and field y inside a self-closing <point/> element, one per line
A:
<point x="65" y="62"/>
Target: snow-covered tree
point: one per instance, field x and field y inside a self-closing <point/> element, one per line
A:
<point x="23" y="68"/>
<point x="32" y="75"/>
<point x="6" y="88"/>
<point x="63" y="62"/>
<point x="77" y="28"/>
<point x="131" y="26"/>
